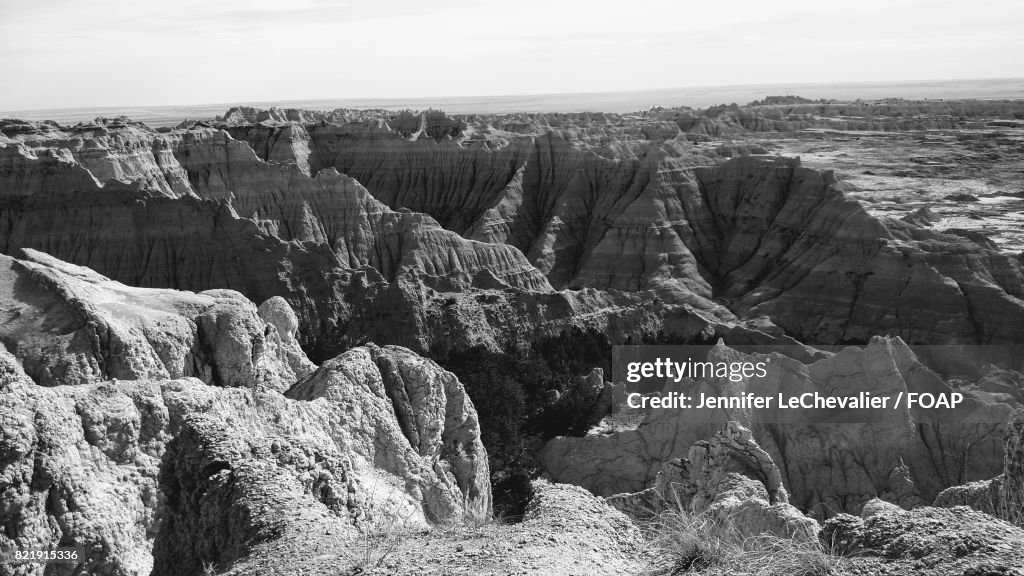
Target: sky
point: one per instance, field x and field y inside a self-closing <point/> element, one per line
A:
<point x="89" y="53"/>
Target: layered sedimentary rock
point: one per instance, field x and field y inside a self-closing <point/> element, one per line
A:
<point x="827" y="464"/>
<point x="106" y="151"/>
<point x="762" y="235"/>
<point x="144" y="465"/>
<point x="268" y="206"/>
<point x="335" y="210"/>
<point x="350" y="267"/>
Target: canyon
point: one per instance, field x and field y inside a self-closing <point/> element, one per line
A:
<point x="223" y="335"/>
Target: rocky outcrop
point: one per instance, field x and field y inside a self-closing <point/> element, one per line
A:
<point x="828" y="465"/>
<point x="796" y="250"/>
<point x="983" y="495"/>
<point x="731" y="480"/>
<point x="147" y="467"/>
<point x="1002" y="496"/>
<point x="119" y="466"/>
<point x="922" y="217"/>
<point x="927" y="541"/>
<point x="78" y="157"/>
<point x="413" y="398"/>
<point x="330" y="210"/>
<point x="69" y="325"/>
<point x="223" y="493"/>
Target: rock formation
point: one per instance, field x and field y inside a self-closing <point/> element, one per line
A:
<point x="926" y="541"/>
<point x="352" y="268"/>
<point x="274" y="205"/>
<point x="732" y="481"/>
<point x="762" y="235"/>
<point x="905" y="456"/>
<point x="1002" y="496"/>
<point x="153" y="464"/>
<point x="69" y="325"/>
<point x="371" y="237"/>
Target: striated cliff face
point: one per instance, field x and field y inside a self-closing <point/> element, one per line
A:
<point x="509" y="209"/>
<point x="906" y="456"/>
<point x="111" y="441"/>
<point x="353" y="269"/>
<point x="335" y="210"/>
<point x="555" y="194"/>
<point x="763" y="236"/>
<point x="792" y="247"/>
<point x="108" y="151"/>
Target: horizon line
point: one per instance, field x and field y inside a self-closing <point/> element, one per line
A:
<point x="271" y="102"/>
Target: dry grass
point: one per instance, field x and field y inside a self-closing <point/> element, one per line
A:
<point x="476" y="513"/>
<point x="1010" y="508"/>
<point x="684" y="543"/>
<point x="381" y="531"/>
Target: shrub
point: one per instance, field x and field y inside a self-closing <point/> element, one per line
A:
<point x="513" y="394"/>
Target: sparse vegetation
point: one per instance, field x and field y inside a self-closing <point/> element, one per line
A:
<point x="475" y="513"/>
<point x="523" y="399"/>
<point x="1010" y="508"/>
<point x="685" y="543"/>
<point x="380" y="531"/>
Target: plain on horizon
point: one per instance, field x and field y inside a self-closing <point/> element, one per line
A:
<point x="65" y="54"/>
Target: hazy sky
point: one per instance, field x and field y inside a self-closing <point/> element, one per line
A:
<point x="78" y="53"/>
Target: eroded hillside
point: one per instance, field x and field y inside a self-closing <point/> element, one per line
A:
<point x="155" y="415"/>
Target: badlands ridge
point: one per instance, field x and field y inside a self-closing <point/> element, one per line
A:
<point x="232" y="339"/>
